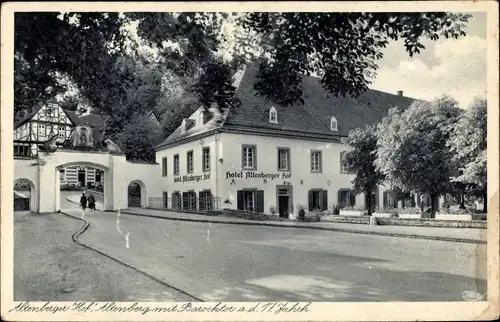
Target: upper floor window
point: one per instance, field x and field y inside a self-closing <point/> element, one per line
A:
<point x="273" y="115"/>
<point x="343" y="164"/>
<point x="206" y="159"/>
<point x="283" y="159"/>
<point x="41" y="129"/>
<point x="176" y="164"/>
<point x="316" y="161"/>
<point x="333" y="124"/>
<point x="164" y="167"/>
<point x="189" y="160"/>
<point x="249" y="157"/>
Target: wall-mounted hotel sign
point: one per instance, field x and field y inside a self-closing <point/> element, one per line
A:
<point x="257" y="175"/>
<point x="192" y="178"/>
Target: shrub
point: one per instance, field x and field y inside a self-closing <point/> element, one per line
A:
<point x="301" y="207"/>
<point x="272" y="210"/>
<point x="352" y="208"/>
<point x="414" y="210"/>
<point x="335" y="209"/>
<point x="391" y="211"/>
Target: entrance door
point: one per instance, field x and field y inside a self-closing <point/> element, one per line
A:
<point x="283" y="206"/>
<point x="81" y="177"/>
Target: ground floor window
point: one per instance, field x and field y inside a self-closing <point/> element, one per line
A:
<point x="205" y="200"/>
<point x="346" y="198"/>
<point x="176" y="200"/>
<point x="251" y="200"/>
<point x="189" y="200"/>
<point x="318" y="199"/>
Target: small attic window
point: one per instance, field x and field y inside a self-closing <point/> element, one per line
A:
<point x="273" y="115"/>
<point x="333" y="124"/>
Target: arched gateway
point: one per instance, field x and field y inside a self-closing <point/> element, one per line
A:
<point x="43" y="177"/>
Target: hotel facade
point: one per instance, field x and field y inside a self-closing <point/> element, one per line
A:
<point x="262" y="157"/>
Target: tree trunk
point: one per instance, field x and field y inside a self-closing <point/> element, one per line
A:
<point x="434" y="201"/>
<point x="485" y="202"/>
<point x="462" y="201"/>
<point x="369" y="201"/>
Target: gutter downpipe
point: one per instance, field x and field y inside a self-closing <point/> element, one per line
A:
<point x="217" y="134"/>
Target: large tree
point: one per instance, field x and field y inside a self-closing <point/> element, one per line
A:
<point x="138" y="137"/>
<point x="341" y="48"/>
<point x="467" y="143"/>
<point x="359" y="158"/>
<point x="412" y="147"/>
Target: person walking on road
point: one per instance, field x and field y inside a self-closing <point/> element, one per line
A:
<point x="83" y="201"/>
<point x="91" y="201"/>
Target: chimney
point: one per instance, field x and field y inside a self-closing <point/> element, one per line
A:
<point x="400" y="93"/>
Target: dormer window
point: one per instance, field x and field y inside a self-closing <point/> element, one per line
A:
<point x="333" y="124"/>
<point x="273" y="115"/>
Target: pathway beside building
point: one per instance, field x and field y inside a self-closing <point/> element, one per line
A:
<point x="468" y="235"/>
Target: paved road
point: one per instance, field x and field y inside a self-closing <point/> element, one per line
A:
<point x="49" y="266"/>
<point x="246" y="263"/>
<point x="75" y="195"/>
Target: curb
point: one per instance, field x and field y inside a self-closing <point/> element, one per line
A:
<point x="87" y="225"/>
<point x="340" y="230"/>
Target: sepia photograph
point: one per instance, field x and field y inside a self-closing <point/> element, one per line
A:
<point x="208" y="161"/>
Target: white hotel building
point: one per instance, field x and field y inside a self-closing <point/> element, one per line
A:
<point x="260" y="155"/>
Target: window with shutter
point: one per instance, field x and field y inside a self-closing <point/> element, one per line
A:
<point x="311" y="201"/>
<point x="185" y="200"/>
<point x="201" y="200"/>
<point x="324" y="200"/>
<point x="239" y="204"/>
<point x="259" y="200"/>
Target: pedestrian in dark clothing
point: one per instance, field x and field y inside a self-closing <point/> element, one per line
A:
<point x="83" y="201"/>
<point x="91" y="201"/>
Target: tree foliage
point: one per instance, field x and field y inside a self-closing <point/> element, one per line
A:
<point x="138" y="137"/>
<point x="360" y="159"/>
<point x="341" y="48"/>
<point x="412" y="147"/>
<point x="467" y="143"/>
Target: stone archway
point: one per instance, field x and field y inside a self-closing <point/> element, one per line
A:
<point x="25" y="198"/>
<point x="102" y="193"/>
<point x="136" y="194"/>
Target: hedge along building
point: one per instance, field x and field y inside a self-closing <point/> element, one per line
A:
<point x="261" y="156"/>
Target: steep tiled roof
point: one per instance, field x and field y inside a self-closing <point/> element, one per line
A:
<point x="314" y="116"/>
<point x="311" y="120"/>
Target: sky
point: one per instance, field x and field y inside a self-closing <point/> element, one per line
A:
<point x="456" y="67"/>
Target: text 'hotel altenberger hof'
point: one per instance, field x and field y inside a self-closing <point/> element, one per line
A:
<point x="260" y="155"/>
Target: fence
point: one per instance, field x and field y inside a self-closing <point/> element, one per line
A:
<point x="190" y="204"/>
